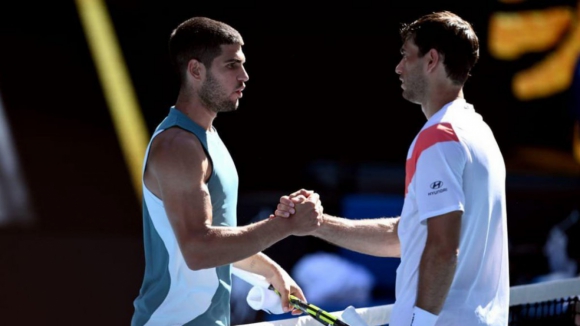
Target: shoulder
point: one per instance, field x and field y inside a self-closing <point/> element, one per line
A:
<point x="442" y="131"/>
<point x="175" y="145"/>
<point x="175" y="139"/>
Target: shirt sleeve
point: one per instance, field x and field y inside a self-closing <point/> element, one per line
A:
<point x="439" y="174"/>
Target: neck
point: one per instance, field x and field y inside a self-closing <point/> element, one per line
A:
<point x="192" y="107"/>
<point x="439" y="98"/>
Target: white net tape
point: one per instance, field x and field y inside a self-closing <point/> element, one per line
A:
<point x="532" y="293"/>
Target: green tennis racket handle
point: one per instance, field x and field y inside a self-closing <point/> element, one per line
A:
<point x="315" y="312"/>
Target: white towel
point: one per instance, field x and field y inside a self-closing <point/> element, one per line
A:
<point x="351" y="317"/>
<point x="260" y="297"/>
<point x="263" y="299"/>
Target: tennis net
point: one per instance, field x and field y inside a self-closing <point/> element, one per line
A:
<point x="550" y="303"/>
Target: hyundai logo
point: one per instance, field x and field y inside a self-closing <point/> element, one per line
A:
<point x="436" y="185"/>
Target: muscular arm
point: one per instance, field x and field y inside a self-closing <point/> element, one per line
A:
<point x="177" y="171"/>
<point x="377" y="237"/>
<point x="438" y="261"/>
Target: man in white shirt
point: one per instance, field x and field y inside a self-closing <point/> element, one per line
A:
<point x="452" y="232"/>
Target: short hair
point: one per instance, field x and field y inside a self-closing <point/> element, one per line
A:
<point x="451" y="36"/>
<point x="199" y="38"/>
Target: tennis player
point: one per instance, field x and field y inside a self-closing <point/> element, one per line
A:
<point x="452" y="232"/>
<point x="190" y="193"/>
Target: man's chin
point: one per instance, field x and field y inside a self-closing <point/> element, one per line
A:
<point x="229" y="108"/>
<point x="226" y="107"/>
<point x="410" y="97"/>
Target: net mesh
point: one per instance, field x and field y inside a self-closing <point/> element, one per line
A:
<point x="551" y="303"/>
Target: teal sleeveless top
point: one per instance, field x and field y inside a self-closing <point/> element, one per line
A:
<point x="171" y="293"/>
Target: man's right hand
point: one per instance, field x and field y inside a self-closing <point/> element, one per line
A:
<point x="287" y="203"/>
<point x="305" y="208"/>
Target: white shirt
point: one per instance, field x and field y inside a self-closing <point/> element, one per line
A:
<point x="454" y="163"/>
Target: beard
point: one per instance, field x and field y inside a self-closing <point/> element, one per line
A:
<point x="214" y="97"/>
<point x="415" y="86"/>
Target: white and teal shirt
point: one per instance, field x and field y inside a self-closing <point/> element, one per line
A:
<point x="171" y="293"/>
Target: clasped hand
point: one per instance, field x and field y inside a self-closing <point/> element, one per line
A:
<point x="302" y="209"/>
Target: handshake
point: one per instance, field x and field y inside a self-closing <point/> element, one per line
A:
<point x="301" y="211"/>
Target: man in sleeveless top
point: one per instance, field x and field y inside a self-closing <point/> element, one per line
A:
<point x="452" y="232"/>
<point x="190" y="193"/>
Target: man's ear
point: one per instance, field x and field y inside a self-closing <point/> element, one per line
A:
<point x="433" y="59"/>
<point x="195" y="69"/>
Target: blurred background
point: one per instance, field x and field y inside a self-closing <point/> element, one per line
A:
<point x="322" y="110"/>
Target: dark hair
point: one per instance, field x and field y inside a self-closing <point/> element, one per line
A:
<point x="451" y="36"/>
<point x="199" y="38"/>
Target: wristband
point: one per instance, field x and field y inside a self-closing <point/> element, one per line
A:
<point x="423" y="318"/>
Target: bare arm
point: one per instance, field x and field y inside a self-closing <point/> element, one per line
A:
<point x="439" y="260"/>
<point x="263" y="265"/>
<point x="177" y="172"/>
<point x="377" y="237"/>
